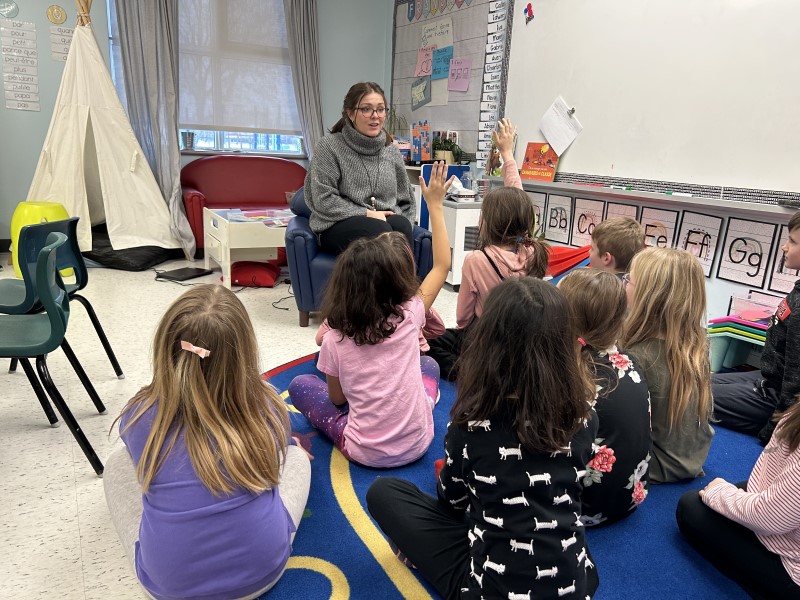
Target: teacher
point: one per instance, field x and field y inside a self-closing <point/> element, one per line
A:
<point x="356" y="186"/>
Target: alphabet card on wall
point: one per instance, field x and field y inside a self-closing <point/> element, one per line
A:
<point x="617" y="209"/>
<point x="782" y="279"/>
<point x="539" y="208"/>
<point x="745" y="252"/>
<point x="588" y="213"/>
<point x="659" y="227"/>
<point x="699" y="234"/>
<point x="559" y="219"/>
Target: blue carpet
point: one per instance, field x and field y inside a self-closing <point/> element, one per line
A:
<point x="339" y="552"/>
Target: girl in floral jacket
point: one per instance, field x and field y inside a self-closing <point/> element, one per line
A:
<point x="616" y="479"/>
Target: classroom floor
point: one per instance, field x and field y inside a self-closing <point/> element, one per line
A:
<point x="56" y="537"/>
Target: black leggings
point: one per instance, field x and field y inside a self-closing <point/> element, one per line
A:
<point x="431" y="535"/>
<point x="338" y="237"/>
<point x="734" y="550"/>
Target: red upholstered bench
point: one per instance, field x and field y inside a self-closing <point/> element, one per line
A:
<point x="246" y="182"/>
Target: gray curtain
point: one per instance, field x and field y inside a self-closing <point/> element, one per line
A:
<point x="148" y="33"/>
<point x="303" y="37"/>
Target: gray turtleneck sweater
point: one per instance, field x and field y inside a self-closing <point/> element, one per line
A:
<point x="347" y="169"/>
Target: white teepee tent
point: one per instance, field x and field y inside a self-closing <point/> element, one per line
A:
<point x="91" y="161"/>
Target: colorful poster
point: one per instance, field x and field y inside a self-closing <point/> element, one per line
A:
<point x="441" y="62"/>
<point x="420" y="93"/>
<point x="460" y="72"/>
<point x="745" y="252"/>
<point x="424" y="62"/>
<point x="540" y="162"/>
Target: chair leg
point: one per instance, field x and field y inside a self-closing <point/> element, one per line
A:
<point x="76" y="366"/>
<point x="40" y="394"/>
<point x="304" y="314"/>
<point x="100" y="333"/>
<point x="12" y="368"/>
<point x="69" y="419"/>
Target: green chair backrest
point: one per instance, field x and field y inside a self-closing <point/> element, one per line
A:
<point x="51" y="290"/>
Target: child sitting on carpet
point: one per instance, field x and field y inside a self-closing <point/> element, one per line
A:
<point x="666" y="334"/>
<point x="506" y="522"/>
<point x="377" y="404"/>
<point x="751" y="531"/>
<point x="507" y="248"/>
<point x="612" y="489"/>
<point x="209" y="493"/>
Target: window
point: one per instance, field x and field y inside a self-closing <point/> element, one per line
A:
<point x="236" y="88"/>
<point x="235" y="77"/>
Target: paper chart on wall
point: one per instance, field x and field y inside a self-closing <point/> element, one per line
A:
<point x="699" y="234"/>
<point x="659" y="227"/>
<point x="539" y="207"/>
<point x="782" y="279"/>
<point x="558" y="219"/>
<point x="615" y="209"/>
<point x="588" y="213"/>
<point x="745" y="252"/>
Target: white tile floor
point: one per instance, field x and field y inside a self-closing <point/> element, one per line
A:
<point x="56" y="538"/>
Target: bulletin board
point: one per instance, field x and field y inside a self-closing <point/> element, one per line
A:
<point x="698" y="92"/>
<point x="465" y="24"/>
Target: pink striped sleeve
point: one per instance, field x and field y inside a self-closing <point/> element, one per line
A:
<point x="772" y="510"/>
<point x="511" y="174"/>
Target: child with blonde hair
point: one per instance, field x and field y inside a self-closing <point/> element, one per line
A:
<point x="376" y="406"/>
<point x="208" y="493"/>
<point x="615" y="482"/>
<point x="665" y="332"/>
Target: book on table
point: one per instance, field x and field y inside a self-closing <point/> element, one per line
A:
<point x="269" y="217"/>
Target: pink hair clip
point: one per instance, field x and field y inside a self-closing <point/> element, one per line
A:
<point x="201" y="352"/>
<point x="582" y="342"/>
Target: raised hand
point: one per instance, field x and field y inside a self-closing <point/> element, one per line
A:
<point x="436" y="188"/>
<point x="503" y="137"/>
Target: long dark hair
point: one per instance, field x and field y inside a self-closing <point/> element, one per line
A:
<point x="521" y="357"/>
<point x="508" y="218"/>
<point x="353" y="98"/>
<point x="372" y="278"/>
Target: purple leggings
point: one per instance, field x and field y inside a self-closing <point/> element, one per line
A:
<point x="309" y="395"/>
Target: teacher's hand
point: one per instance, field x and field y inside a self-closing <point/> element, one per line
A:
<point x="379" y="214"/>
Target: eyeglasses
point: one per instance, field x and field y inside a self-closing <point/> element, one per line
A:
<point x="368" y="111"/>
<point x="626" y="279"/>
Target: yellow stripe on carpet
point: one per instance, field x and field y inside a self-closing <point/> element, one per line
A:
<point x="340" y="589"/>
<point x="290" y="407"/>
<point x="373" y="539"/>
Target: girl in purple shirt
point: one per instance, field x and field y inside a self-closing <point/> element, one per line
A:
<point x="376" y="405"/>
<point x="209" y="492"/>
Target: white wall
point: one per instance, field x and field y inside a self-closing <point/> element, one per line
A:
<point x="355" y="45"/>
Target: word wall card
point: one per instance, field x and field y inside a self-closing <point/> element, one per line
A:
<point x="588" y="213"/>
<point x="659" y="227"/>
<point x="699" y="234"/>
<point x="616" y="209"/>
<point x="782" y="279"/>
<point x="558" y="219"/>
<point x="745" y="252"/>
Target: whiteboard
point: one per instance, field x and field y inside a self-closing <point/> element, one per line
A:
<point x="701" y="92"/>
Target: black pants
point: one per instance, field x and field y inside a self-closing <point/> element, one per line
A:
<point x="431" y="535"/>
<point x="740" y="403"/>
<point x="446" y="349"/>
<point x="338" y="237"/>
<point x="734" y="550"/>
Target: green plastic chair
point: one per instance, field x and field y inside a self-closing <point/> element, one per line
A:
<point x="35" y="335"/>
<point x="18" y="297"/>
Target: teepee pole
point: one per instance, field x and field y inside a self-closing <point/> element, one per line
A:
<point x="84" y="6"/>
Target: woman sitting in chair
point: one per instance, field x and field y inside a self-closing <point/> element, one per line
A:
<point x="356" y="185"/>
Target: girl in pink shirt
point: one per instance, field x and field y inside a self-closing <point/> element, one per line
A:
<point x="751" y="531"/>
<point x="376" y="405"/>
<point x="507" y="247"/>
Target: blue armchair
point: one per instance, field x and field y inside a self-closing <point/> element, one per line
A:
<point x="310" y="268"/>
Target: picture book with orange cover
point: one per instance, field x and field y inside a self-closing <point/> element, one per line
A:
<point x="539" y="163"/>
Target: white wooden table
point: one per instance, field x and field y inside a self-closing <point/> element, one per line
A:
<point x="229" y="241"/>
